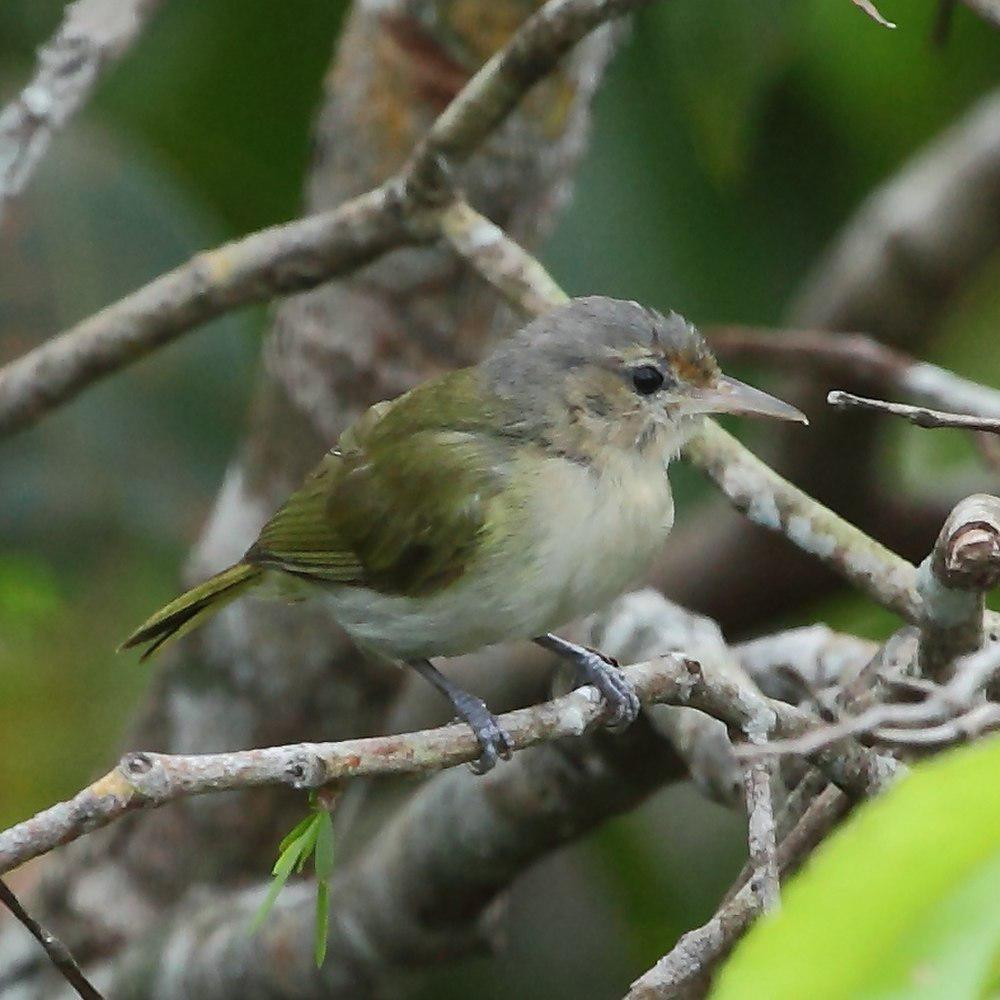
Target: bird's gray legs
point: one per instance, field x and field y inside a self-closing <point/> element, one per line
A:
<point x="601" y="671"/>
<point x="472" y="710"/>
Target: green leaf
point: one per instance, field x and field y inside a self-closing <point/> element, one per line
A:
<point x="295" y="851"/>
<point x="308" y="842"/>
<point x="902" y="902"/>
<point x="322" y="921"/>
<point x="323" y="862"/>
<point x="324" y="847"/>
<point x="294" y="834"/>
<point x="292" y="854"/>
<point x="312" y="836"/>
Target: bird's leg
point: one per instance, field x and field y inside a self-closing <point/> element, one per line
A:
<point x="601" y="671"/>
<point x="472" y="710"/>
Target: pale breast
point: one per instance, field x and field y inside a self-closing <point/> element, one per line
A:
<point x="571" y="541"/>
<point x="599" y="531"/>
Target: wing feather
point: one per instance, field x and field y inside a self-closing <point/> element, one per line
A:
<point x="399" y="506"/>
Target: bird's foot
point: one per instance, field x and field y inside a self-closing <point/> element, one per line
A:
<point x="606" y="675"/>
<point x="493" y="740"/>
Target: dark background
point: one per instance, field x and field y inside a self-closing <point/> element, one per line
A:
<point x="731" y="142"/>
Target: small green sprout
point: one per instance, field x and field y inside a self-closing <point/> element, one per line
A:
<point x="312" y="836"/>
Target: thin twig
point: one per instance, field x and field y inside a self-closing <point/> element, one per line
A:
<point x="59" y="955"/>
<point x="774" y="503"/>
<point x="949" y="702"/>
<point x="683" y="973"/>
<point x="969" y="725"/>
<point x="862" y="359"/>
<point x="872" y="11"/>
<point x="761" y="836"/>
<point x="511" y="269"/>
<point x="147" y="780"/>
<point x="919" y="415"/>
<point x="93" y="35"/>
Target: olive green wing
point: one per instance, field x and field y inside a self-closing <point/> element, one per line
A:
<point x="404" y="502"/>
<point x="402" y="516"/>
<point x="302" y="538"/>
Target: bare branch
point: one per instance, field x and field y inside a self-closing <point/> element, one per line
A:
<point x="146" y="780"/>
<point x="505" y="264"/>
<point x="918" y="415"/>
<point x="305" y="253"/>
<point x="275" y="261"/>
<point x="872" y="11"/>
<point x="93" y="35"/>
<point x="774" y="503"/>
<point x="500" y="84"/>
<point x="59" y="955"/>
<point x="860" y="358"/>
<point x="958" y="699"/>
<point x="978" y="721"/>
<point x="683" y="973"/>
<point x="761" y="837"/>
<point x="428" y="888"/>
<point x="953" y="581"/>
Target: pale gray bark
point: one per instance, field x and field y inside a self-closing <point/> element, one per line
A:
<point x="92" y="36"/>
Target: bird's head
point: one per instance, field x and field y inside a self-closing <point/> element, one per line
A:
<point x="600" y="372"/>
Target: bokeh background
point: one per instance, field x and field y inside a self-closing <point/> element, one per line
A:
<point x="731" y="141"/>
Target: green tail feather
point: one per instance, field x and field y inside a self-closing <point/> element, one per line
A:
<point x="189" y="610"/>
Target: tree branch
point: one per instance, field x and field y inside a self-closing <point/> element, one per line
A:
<point x="953" y="580"/>
<point x="59" y="955"/>
<point x="873" y="12"/>
<point x="862" y="359"/>
<point x="302" y="254"/>
<point x="147" y="780"/>
<point x="959" y="703"/>
<point x="428" y="888"/>
<point x="772" y="502"/>
<point x="93" y="35"/>
<point x="275" y="261"/>
<point x="919" y="415"/>
<point x="500" y="84"/>
<point x="684" y="972"/>
<point x="761" y="836"/>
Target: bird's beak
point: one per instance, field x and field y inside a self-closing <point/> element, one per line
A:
<point x="728" y="395"/>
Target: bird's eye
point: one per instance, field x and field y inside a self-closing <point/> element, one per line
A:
<point x="647" y="379"/>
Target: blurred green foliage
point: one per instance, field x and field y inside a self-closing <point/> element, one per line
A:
<point x="731" y="141"/>
<point x="902" y="903"/>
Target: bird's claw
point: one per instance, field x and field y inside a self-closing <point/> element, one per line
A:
<point x="616" y="690"/>
<point x="492" y="738"/>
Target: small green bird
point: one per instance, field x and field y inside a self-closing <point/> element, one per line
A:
<point x="496" y="502"/>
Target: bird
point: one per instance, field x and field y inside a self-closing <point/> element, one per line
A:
<point x="493" y="503"/>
